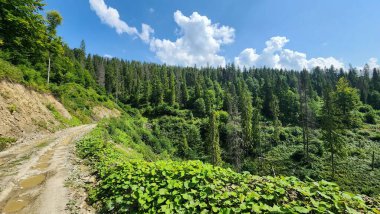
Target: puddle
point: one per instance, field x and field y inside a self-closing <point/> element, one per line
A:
<point x="32" y="181"/>
<point x="41" y="166"/>
<point x="15" y="205"/>
<point x="46" y="157"/>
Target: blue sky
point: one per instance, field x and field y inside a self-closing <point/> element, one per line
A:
<point x="277" y="33"/>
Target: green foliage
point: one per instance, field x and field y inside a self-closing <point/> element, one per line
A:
<point x="132" y="132"/>
<point x="63" y="120"/>
<point x="200" y="107"/>
<point x="136" y="186"/>
<point x="10" y="72"/>
<point x="370" y="117"/>
<point x="213" y="140"/>
<point x="12" y="108"/>
<point x="80" y="100"/>
<point x="23" y="31"/>
<point x="5" y="141"/>
<point x="184" y="136"/>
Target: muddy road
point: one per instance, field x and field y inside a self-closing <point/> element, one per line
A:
<point x="33" y="173"/>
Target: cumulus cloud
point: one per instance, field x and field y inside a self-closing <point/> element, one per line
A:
<point x="275" y="55"/>
<point x="199" y="43"/>
<point x="372" y="63"/>
<point x="247" y="57"/>
<point x="111" y="17"/>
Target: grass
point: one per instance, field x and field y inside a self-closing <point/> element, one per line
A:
<point x="63" y="120"/>
<point x="43" y="144"/>
<point x="5" y="142"/>
<point x="12" y="108"/>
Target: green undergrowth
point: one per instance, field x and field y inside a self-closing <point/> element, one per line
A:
<point x="63" y="120"/>
<point x="129" y="184"/>
<point x="5" y="142"/>
<point x="77" y="98"/>
<point x="80" y="101"/>
<point x="354" y="170"/>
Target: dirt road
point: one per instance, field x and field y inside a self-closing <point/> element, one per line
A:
<point x="33" y="173"/>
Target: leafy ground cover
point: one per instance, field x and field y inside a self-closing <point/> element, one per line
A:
<point x="129" y="184"/>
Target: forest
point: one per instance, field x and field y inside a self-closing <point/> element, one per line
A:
<point x="320" y="124"/>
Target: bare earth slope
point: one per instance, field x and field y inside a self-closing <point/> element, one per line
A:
<point x="24" y="111"/>
<point x="33" y="173"/>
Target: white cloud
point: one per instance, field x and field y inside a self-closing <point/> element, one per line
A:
<point x="146" y="32"/>
<point x="199" y="43"/>
<point x="325" y="63"/>
<point x="247" y="57"/>
<point x="110" y="16"/>
<point x="372" y="63"/>
<point x="275" y="56"/>
<point x="108" y="56"/>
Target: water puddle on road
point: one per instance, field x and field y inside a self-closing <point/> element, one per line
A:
<point x="46" y="157"/>
<point x="15" y="205"/>
<point x="41" y="166"/>
<point x="43" y="161"/>
<point x="32" y="181"/>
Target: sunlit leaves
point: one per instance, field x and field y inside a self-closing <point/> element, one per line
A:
<point x="193" y="187"/>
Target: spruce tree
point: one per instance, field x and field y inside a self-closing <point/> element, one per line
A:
<point x="213" y="137"/>
<point x="246" y="117"/>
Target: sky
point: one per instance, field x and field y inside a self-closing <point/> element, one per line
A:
<point x="289" y="34"/>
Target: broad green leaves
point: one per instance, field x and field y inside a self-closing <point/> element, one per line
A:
<point x="193" y="187"/>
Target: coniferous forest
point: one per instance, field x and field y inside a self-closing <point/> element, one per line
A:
<point x="319" y="124"/>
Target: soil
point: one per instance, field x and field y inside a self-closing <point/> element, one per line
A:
<point x="24" y="111"/>
<point x="39" y="174"/>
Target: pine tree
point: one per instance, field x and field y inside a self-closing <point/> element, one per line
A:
<point x="304" y="93"/>
<point x="276" y="122"/>
<point x="184" y="93"/>
<point x="172" y="86"/>
<point x="347" y="101"/>
<point x="331" y="127"/>
<point x="256" y="128"/>
<point x="246" y="116"/>
<point x="235" y="141"/>
<point x="213" y="137"/>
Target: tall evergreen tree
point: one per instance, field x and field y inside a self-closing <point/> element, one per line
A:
<point x="331" y="127"/>
<point x="246" y="116"/>
<point x="347" y="101"/>
<point x="213" y="137"/>
<point x="304" y="93"/>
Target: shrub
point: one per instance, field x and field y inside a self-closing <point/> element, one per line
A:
<point x="370" y="117"/>
<point x="10" y="72"/>
<point x="136" y="186"/>
<point x="5" y="141"/>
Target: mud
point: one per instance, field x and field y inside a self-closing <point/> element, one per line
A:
<point x="33" y="173"/>
<point x="15" y="205"/>
<point x="32" y="181"/>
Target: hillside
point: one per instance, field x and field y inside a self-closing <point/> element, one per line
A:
<point x="109" y="135"/>
<point x="128" y="184"/>
<point x="25" y="111"/>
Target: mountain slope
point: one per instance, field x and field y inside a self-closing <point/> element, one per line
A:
<point x="24" y="111"/>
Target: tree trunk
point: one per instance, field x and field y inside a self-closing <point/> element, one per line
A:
<point x="373" y="160"/>
<point x="332" y="161"/>
<point x="48" y="77"/>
